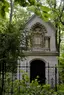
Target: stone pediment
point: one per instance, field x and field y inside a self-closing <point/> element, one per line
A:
<point x="36" y="19"/>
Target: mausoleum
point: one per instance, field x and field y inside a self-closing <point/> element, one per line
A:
<point x="41" y="54"/>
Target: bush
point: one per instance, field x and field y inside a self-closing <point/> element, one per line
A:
<point x="24" y="87"/>
<point x="60" y="89"/>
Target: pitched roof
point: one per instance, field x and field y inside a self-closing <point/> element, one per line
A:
<point x="33" y="16"/>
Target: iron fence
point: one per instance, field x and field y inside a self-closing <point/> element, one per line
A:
<point x="10" y="79"/>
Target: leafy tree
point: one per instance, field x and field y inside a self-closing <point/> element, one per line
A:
<point x="25" y="3"/>
<point x="20" y="16"/>
<point x="57" y="18"/>
<point x="61" y="67"/>
<point x="57" y="12"/>
<point x="4" y="7"/>
<point x="11" y="35"/>
<point x="10" y="51"/>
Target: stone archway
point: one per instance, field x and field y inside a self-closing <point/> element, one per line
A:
<point x="37" y="68"/>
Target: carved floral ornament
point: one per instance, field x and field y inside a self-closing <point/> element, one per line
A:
<point x="38" y="28"/>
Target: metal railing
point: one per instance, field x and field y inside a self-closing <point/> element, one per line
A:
<point x="8" y="79"/>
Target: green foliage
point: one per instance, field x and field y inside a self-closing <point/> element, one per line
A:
<point x="40" y="10"/>
<point x="24" y="87"/>
<point x="10" y="46"/>
<point x="25" y="3"/>
<point x="20" y="16"/>
<point x="4" y="7"/>
<point x="32" y="2"/>
<point x="2" y="25"/>
<point x="12" y="38"/>
<point x="61" y="67"/>
<point x="33" y="5"/>
<point x="60" y="89"/>
<point x="45" y="9"/>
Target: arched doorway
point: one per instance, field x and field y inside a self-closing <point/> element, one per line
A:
<point x="37" y="68"/>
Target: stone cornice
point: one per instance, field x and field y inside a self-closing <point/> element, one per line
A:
<point x="40" y="53"/>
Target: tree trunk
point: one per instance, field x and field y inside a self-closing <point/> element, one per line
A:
<point x="11" y="10"/>
<point x="59" y="40"/>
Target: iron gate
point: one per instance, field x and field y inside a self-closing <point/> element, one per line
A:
<point x="8" y="77"/>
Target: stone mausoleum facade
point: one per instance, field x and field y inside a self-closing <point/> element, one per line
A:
<point x="41" y="55"/>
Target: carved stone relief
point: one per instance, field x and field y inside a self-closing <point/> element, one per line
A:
<point x="38" y="39"/>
